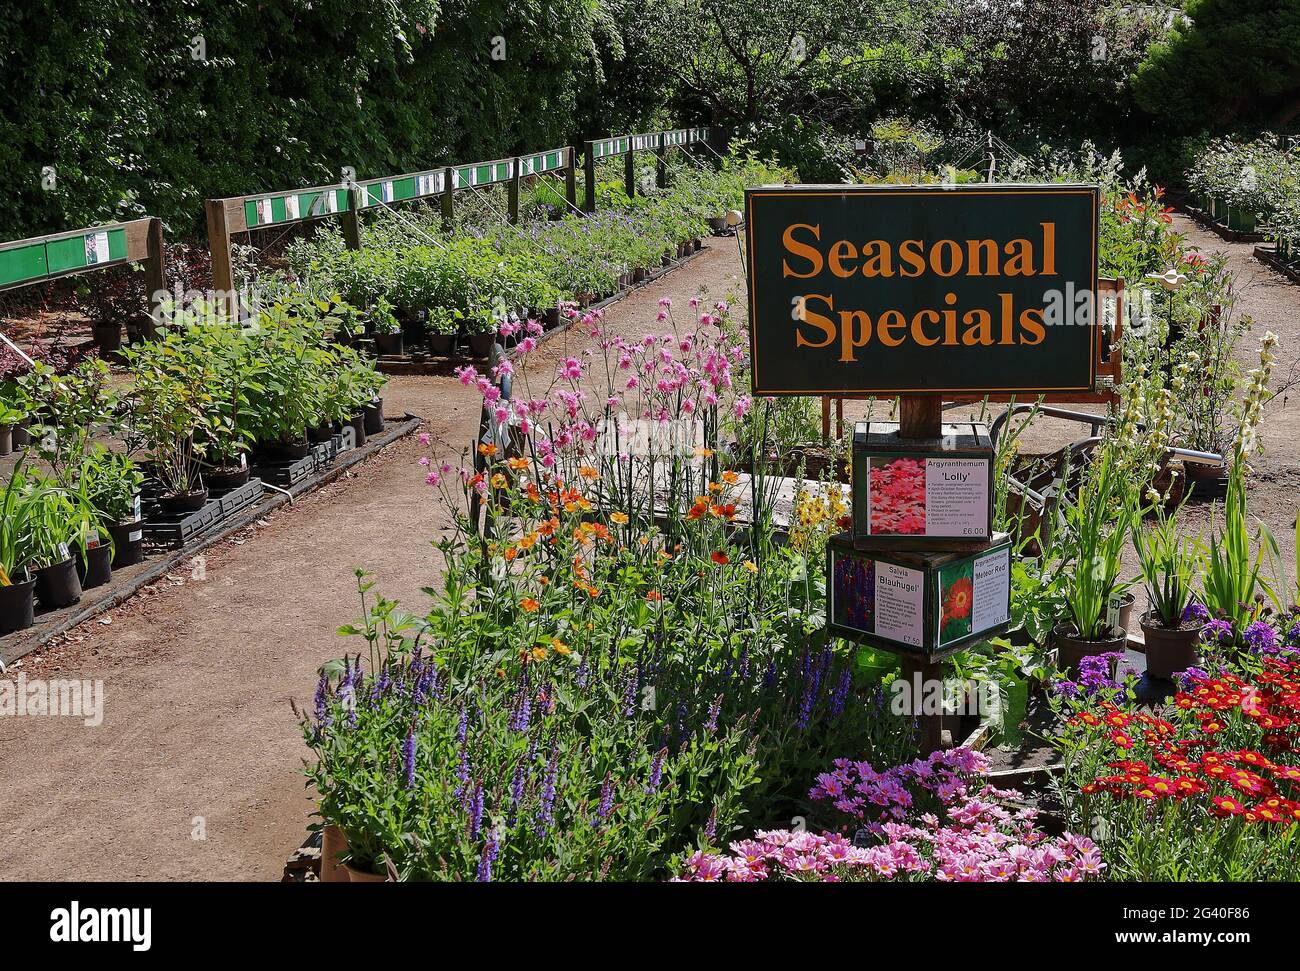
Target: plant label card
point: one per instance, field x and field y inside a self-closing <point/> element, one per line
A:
<point x="900" y="612"/>
<point x="96" y="249"/>
<point x="874" y="597"/>
<point x="974" y="595"/>
<point x="291" y="210"/>
<point x="331" y="201"/>
<point x="386" y="191"/>
<point x="264" y="212"/>
<point x="957" y="497"/>
<point x="135" y="536"/>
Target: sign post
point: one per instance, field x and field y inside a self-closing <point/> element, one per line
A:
<point x="920" y="292"/>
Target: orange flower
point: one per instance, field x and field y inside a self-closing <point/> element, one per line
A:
<point x="730" y="477"/>
<point x="498" y="481"/>
<point x="653" y="595"/>
<point x="529" y="604"/>
<point x="517" y="464"/>
<point x="719" y="557"/>
<point x="618" y="517"/>
<point x="487" y="448"/>
<point x="587" y="472"/>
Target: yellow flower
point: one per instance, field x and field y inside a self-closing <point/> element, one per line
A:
<point x="618" y="517"/>
<point x="539" y="653"/>
<point x="751" y="566"/>
<point x="559" y="645"/>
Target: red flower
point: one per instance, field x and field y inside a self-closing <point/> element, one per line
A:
<point x="957" y="602"/>
<point x="719" y="557"/>
<point x="1226" y="806"/>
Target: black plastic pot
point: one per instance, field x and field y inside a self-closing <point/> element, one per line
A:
<point x="289" y="450"/>
<point x="183" y="502"/>
<point x="320" y="434"/>
<point x="128" y="543"/>
<point x="95" y="568"/>
<point x="57" y="584"/>
<point x="374" y="412"/>
<point x="16" y="606"/>
<point x="389" y="345"/>
<point x="21" y="437"/>
<point x="358" y="425"/>
<point x="6" y="439"/>
<point x="441" y="343"/>
<point x="223" y="480"/>
<point x="551" y="319"/>
<point x="480" y="344"/>
<point x="108" y="337"/>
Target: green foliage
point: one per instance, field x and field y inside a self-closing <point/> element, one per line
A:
<point x="1236" y="62"/>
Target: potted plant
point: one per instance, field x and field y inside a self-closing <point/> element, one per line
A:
<point x="1096" y="523"/>
<point x="1168" y="562"/>
<point x="481" y="331"/>
<point x="18" y="511"/>
<point x="444" y="325"/>
<point x="92" y="545"/>
<point x="111" y="483"/>
<point x="387" y="329"/>
<point x="55" y="526"/>
<point x="237" y="371"/>
<point x="171" y="416"/>
<point x="10" y="418"/>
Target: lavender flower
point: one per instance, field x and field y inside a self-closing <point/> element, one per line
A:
<point x="714" y="709"/>
<point x="1197" y="612"/>
<point x="476" y="811"/>
<point x="322" y="703"/>
<point x="545" y="813"/>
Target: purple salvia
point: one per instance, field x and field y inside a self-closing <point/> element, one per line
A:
<point x="714" y="709"/>
<point x="656" y="770"/>
<point x="711" y="827"/>
<point x="606" y="798"/>
<point x="841" y="694"/>
<point x="488" y="857"/>
<point x="322" y="703"/>
<point x="408" y="758"/>
<point x="545" y="813"/>
<point x="476" y="811"/>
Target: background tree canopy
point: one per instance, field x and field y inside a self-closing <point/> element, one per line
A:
<point x="154" y="107"/>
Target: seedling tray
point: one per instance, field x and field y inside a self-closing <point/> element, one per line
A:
<point x="177" y="529"/>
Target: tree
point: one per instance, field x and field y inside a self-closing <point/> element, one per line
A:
<point x="1236" y="62"/>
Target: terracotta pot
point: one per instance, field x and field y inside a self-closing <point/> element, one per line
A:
<point x="357" y="876"/>
<point x="1123" y="608"/>
<point x="1170" y="650"/>
<point x="332" y="844"/>
<point x="1070" y="649"/>
<point x="1206" y="481"/>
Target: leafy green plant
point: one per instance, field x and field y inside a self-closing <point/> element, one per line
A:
<point x="1168" y="562"/>
<point x="111" y="483"/>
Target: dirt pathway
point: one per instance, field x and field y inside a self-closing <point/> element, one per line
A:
<point x="194" y="772"/>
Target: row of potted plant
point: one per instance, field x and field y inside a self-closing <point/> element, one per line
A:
<point x="1244" y="184"/>
<point x="413" y="278"/>
<point x="206" y="394"/>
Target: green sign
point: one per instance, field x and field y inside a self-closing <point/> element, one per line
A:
<point x="922" y="289"/>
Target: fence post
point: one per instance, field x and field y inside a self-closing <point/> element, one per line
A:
<point x="661" y="163"/>
<point x="571" y="179"/>
<point x="351" y="221"/>
<point x="513" y="190"/>
<point x="223" y="273"/>
<point x="448" y="199"/>
<point x="589" y="176"/>
<point x="155" y="272"/>
<point x="629" y="171"/>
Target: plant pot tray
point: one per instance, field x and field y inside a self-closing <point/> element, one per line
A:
<point x="287" y="472"/>
<point x="171" y="530"/>
<point x="1269" y="256"/>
